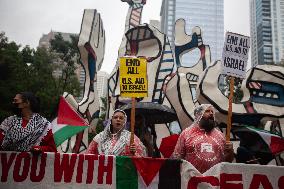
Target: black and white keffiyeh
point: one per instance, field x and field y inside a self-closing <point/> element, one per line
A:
<point x="22" y="139"/>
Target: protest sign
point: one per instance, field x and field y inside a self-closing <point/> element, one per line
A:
<point x="235" y="55"/>
<point x="234" y="63"/>
<point x="133" y="77"/>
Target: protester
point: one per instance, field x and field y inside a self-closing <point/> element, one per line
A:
<point x="202" y="144"/>
<point x="144" y="134"/>
<point x="26" y="130"/>
<point x="115" y="139"/>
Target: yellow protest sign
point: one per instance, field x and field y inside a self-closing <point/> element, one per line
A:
<point x="133" y="77"/>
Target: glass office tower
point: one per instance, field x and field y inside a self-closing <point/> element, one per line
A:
<point x="208" y="15"/>
<point x="267" y="31"/>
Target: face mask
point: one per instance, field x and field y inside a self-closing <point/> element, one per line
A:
<point x="207" y="124"/>
<point x="16" y="110"/>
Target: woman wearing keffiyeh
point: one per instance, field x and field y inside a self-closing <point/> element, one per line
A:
<point x="202" y="144"/>
<point x="115" y="139"/>
<point x="26" y="130"/>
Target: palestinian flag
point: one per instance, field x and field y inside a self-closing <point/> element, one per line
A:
<point x="258" y="140"/>
<point x="147" y="173"/>
<point x="68" y="123"/>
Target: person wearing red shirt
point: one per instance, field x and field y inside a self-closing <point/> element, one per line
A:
<point x="26" y="130"/>
<point x="202" y="144"/>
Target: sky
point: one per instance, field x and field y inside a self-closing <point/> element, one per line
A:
<point x="25" y="21"/>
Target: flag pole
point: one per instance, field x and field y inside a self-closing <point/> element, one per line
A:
<point x="79" y="136"/>
<point x="229" y="122"/>
<point x="132" y="121"/>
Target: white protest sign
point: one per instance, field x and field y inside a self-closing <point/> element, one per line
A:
<point x="235" y="55"/>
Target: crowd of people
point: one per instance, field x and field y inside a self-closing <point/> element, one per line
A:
<point x="202" y="143"/>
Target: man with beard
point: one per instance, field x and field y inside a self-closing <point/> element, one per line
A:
<point x="26" y="130"/>
<point x="202" y="144"/>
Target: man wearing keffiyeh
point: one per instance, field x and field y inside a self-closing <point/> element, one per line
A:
<point x="202" y="144"/>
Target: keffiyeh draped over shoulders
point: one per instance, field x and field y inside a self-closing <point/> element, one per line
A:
<point x="18" y="138"/>
<point x="118" y="144"/>
<point x="104" y="140"/>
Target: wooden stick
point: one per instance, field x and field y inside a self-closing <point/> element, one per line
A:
<point x="229" y="122"/>
<point x="132" y="121"/>
<point x="79" y="136"/>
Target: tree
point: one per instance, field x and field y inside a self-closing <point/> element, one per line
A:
<point x="36" y="76"/>
<point x="100" y="125"/>
<point x="27" y="55"/>
<point x="61" y="58"/>
<point x="10" y="58"/>
<point x="66" y="54"/>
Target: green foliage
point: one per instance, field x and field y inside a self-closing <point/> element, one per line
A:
<point x="10" y="58"/>
<point x="100" y="126"/>
<point x="66" y="54"/>
<point x="32" y="70"/>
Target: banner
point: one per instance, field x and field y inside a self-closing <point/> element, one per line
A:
<point x="235" y="55"/>
<point x="55" y="170"/>
<point x="133" y="77"/>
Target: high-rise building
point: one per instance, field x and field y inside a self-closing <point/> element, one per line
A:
<point x="102" y="78"/>
<point x="45" y="39"/>
<point x="208" y="15"/>
<point x="267" y="31"/>
<point x="44" y="42"/>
